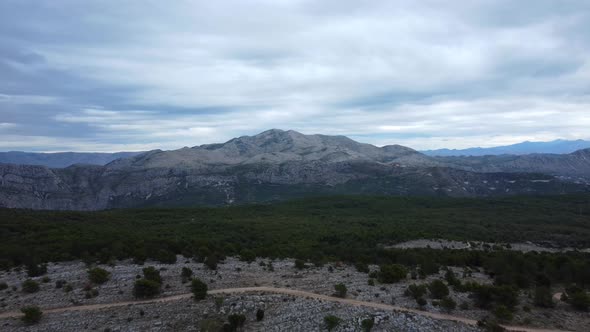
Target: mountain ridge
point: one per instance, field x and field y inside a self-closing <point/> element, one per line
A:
<point x="276" y="165"/>
<point x="559" y="146"/>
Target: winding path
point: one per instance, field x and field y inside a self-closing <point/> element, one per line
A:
<point x="285" y="291"/>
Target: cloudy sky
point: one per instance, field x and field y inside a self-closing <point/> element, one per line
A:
<point x="112" y="75"/>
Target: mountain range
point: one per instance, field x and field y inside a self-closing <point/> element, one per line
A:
<point x="557" y="146"/>
<point x="277" y="165"/>
<point x="61" y="159"/>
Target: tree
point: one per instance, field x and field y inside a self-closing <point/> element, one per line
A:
<point x="211" y="262"/>
<point x="448" y="303"/>
<point x="32" y="315"/>
<point x="389" y="274"/>
<point x="331" y="322"/>
<point x="144" y="288"/>
<point x="150" y="273"/>
<point x="259" y="315"/>
<point x="30" y="286"/>
<point x="415" y="291"/>
<point x="362" y="267"/>
<point x="247" y="255"/>
<point x="340" y="290"/>
<point x="299" y="264"/>
<point x="421" y="301"/>
<point x="186" y="274"/>
<point x="438" y="289"/>
<point x="98" y="275"/>
<point x="199" y="289"/>
<point x="36" y="270"/>
<point x="367" y="324"/>
<point x="543" y="297"/>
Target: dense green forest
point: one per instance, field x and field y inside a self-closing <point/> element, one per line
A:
<point x="351" y="229"/>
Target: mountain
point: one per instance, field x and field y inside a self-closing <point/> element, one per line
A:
<point x="61" y="159"/>
<point x="277" y="165"/>
<point x="557" y="147"/>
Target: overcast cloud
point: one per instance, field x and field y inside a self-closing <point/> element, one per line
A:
<point x="112" y="75"/>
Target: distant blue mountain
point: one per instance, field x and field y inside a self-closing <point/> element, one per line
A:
<point x="61" y="159"/>
<point x="558" y="147"/>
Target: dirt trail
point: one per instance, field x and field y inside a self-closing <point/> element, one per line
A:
<point x="285" y="291"/>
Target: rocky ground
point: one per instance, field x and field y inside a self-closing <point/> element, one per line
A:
<point x="282" y="312"/>
<point x="478" y="245"/>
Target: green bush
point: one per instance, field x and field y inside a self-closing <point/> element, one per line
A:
<point x="543" y="297"/>
<point x="299" y="264"/>
<point x="367" y="324"/>
<point x="199" y="289"/>
<point x="236" y="321"/>
<point x="3" y="285"/>
<point x="259" y="315"/>
<point x="448" y="303"/>
<point x="211" y="262"/>
<point x="421" y="301"/>
<point x="36" y="270"/>
<point x="247" y="255"/>
<point x="579" y="300"/>
<point x="503" y="313"/>
<point x="415" y="291"/>
<point x="392" y="273"/>
<point x="362" y="267"/>
<point x="186" y="274"/>
<point x="98" y="275"/>
<point x="144" y="288"/>
<point x="341" y="290"/>
<point x="438" y="289"/>
<point x="32" y="315"/>
<point x="30" y="286"/>
<point x="150" y="273"/>
<point x="371" y="282"/>
<point x="331" y="322"/>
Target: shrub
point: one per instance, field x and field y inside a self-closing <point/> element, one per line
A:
<point x="211" y="262"/>
<point x="166" y="257"/>
<point x="98" y="275"/>
<point x="45" y="279"/>
<point x="503" y="313"/>
<point x="543" y="297"/>
<point x="236" y="321"/>
<point x="415" y="291"/>
<point x="32" y="315"/>
<point x="451" y="278"/>
<point x="299" y="264"/>
<point x="247" y="255"/>
<point x="35" y="270"/>
<point x="186" y="274"/>
<point x="331" y="322"/>
<point x="341" y="290"/>
<point x="30" y="286"/>
<point x="199" y="289"/>
<point x="144" y="288"/>
<point x="3" y="285"/>
<point x="362" y="267"/>
<point x="438" y="289"/>
<point x="579" y="300"/>
<point x="371" y="282"/>
<point x="392" y="273"/>
<point x="68" y="288"/>
<point x="448" y="303"/>
<point x="150" y="273"/>
<point x="259" y="315"/>
<point x="367" y="324"/>
<point x="421" y="301"/>
<point x="59" y="284"/>
<point x="464" y="306"/>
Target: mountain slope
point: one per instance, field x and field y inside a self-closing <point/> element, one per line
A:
<point x="61" y="159"/>
<point x="556" y="147"/>
<point x="274" y="165"/>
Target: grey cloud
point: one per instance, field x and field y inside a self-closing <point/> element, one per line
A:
<point x="411" y="72"/>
